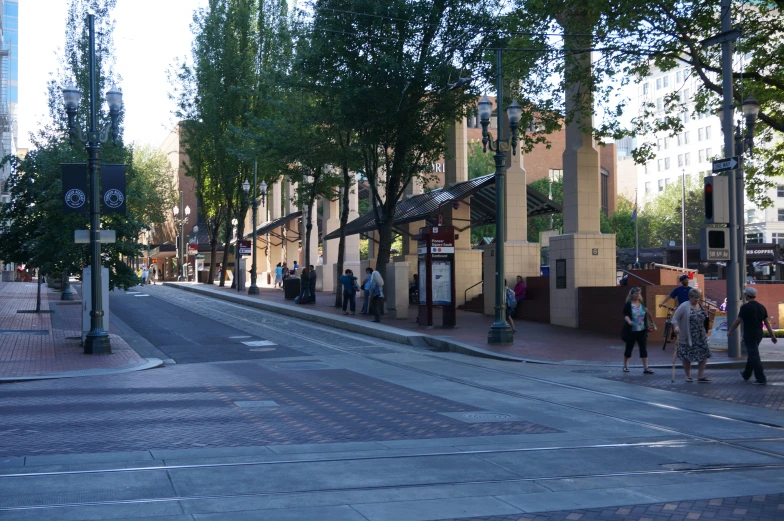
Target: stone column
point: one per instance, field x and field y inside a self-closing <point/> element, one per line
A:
<point x="274" y="198"/>
<point x="331" y="221"/>
<point x="351" y="257"/>
<point x="583" y="255"/>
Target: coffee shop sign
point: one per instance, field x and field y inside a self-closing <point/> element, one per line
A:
<point x="438" y="168"/>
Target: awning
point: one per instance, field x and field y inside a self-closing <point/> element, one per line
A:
<point x="426" y="206"/>
<point x="267" y="227"/>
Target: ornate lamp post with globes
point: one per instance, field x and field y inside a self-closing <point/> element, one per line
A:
<point x="254" y="289"/>
<point x="181" y="246"/>
<point x="97" y="339"/>
<point x="500" y="333"/>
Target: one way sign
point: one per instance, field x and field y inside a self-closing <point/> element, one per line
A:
<point x="722" y="165"/>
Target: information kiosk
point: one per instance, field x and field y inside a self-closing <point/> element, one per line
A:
<point x="436" y="249"/>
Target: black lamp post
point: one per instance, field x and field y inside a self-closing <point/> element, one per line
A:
<point x="743" y="144"/>
<point x="195" y="238"/>
<point x="500" y="333"/>
<point x="97" y="339"/>
<point x="181" y="222"/>
<point x="254" y="289"/>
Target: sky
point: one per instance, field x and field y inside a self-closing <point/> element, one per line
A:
<point x="148" y="36"/>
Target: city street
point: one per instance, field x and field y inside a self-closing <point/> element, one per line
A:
<point x="259" y="416"/>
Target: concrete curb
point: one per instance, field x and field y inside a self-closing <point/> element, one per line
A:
<point x="149" y="363"/>
<point x="401" y="336"/>
<point x="380" y="331"/>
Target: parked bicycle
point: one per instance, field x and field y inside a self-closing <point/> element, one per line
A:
<point x="669" y="330"/>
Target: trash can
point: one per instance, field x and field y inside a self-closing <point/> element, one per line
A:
<point x="291" y="287"/>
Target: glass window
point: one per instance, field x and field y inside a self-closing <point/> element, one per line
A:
<point x="778" y="238"/>
<point x="751" y="216"/>
<point x="679" y="138"/>
<point x="700" y="134"/>
<point x="678" y="77"/>
<point x="658" y="84"/>
<point x="781" y="214"/>
<point x="680" y="159"/>
<point x="666" y="143"/>
<point x="687" y="159"/>
<point x="667" y="182"/>
<point x="708" y="154"/>
<point x="666" y="163"/>
<point x="661" y="189"/>
<point x="685" y="138"/>
<point x="647" y="187"/>
<point x="707" y="132"/>
<point x="686" y="95"/>
<point x="645" y="88"/>
<point x="659" y="143"/>
<point x="780" y="191"/>
<point x="702" y="156"/>
<point x="605" y="192"/>
<point x="659" y="104"/>
<point x="660" y="164"/>
<point x="685" y="116"/>
<point x="755" y="238"/>
<point x="666" y="81"/>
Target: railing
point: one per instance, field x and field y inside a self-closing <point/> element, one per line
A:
<point x="465" y="295"/>
<point x="637" y="277"/>
<point x="673" y="268"/>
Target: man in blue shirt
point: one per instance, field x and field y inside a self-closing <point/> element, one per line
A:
<point x="681" y="293"/>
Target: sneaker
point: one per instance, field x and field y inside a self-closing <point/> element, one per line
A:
<point x="757" y="382"/>
<point x="744" y="378"/>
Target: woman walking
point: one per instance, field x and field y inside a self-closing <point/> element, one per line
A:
<point x="690" y="324"/>
<point x="636" y="330"/>
<point x="278" y="276"/>
<point x="376" y="295"/>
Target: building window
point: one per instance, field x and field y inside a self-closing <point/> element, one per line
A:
<point x="661" y="189"/>
<point x="708" y="154"/>
<point x="667" y="182"/>
<point x="700" y="134"/>
<point x="666" y="81"/>
<point x="702" y="156"/>
<point x="780" y="191"/>
<point x="781" y="214"/>
<point x="756" y="238"/>
<point x="659" y="104"/>
<point x="685" y="116"/>
<point x="645" y="88"/>
<point x="659" y="143"/>
<point x="685" y="138"/>
<point x="666" y="143"/>
<point x="647" y="187"/>
<point x="686" y="95"/>
<point x="778" y="238"/>
<point x="658" y="84"/>
<point x="707" y="132"/>
<point x="678" y="77"/>
<point x="660" y="164"/>
<point x="680" y="159"/>
<point x="605" y="192"/>
<point x="680" y="139"/>
<point x="687" y="158"/>
<point x="666" y="163"/>
<point x="556" y="174"/>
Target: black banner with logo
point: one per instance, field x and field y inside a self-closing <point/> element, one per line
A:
<point x="113" y="188"/>
<point x="74" y="188"/>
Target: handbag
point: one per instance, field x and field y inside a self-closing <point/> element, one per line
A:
<point x="356" y="287"/>
<point x="706" y="321"/>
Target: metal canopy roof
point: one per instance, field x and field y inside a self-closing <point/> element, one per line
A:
<point x="271" y="225"/>
<point x="426" y="206"/>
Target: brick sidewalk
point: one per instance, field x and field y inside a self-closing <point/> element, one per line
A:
<point x="768" y="507"/>
<point x="533" y="340"/>
<point x="31" y="346"/>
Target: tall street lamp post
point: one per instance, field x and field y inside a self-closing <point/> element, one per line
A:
<point x="500" y="332"/>
<point x="743" y="144"/>
<point x="254" y="289"/>
<point x="97" y="339"/>
<point x="181" y="223"/>
<point x="196" y="238"/>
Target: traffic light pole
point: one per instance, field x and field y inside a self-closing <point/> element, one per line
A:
<point x="734" y="269"/>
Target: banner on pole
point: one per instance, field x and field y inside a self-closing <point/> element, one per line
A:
<point x="74" y="176"/>
<point x="114" y="190"/>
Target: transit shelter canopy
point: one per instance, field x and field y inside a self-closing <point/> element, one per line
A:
<point x="426" y="206"/>
<point x="271" y="225"/>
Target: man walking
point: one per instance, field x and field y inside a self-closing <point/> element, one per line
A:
<point x="312" y="282"/>
<point x="753" y="314"/>
<point x="681" y="293"/>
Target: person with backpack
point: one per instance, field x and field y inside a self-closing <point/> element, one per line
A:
<point x="635" y="329"/>
<point x="350" y="290"/>
<point x="511" y="305"/>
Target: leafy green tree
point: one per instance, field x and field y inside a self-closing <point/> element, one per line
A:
<point x="543" y="223"/>
<point x="622" y="224"/>
<point x="480" y="164"/>
<point x="392" y="65"/>
<point x="662" y="215"/>
<point x="34" y="228"/>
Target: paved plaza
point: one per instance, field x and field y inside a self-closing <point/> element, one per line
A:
<point x="258" y="415"/>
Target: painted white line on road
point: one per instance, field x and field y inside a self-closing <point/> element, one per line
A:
<point x="141" y="295"/>
<point x="259" y="343"/>
<point x="248" y="336"/>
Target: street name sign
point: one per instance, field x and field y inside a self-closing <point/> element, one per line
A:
<point x="104" y="236"/>
<point x="723" y="165"/>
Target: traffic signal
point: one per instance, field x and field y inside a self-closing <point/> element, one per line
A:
<point x="714" y="244"/>
<point x="717" y="200"/>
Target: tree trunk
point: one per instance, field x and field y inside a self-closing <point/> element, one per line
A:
<point x="342" y="241"/>
<point x="213" y="250"/>
<point x="226" y="250"/>
<point x="309" y="223"/>
<point x="384" y="246"/>
<point x="38" y="296"/>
